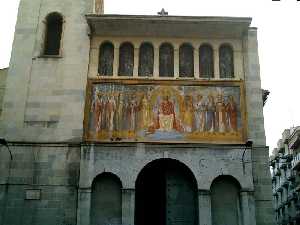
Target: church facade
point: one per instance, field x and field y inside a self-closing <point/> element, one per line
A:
<point x="126" y="119"/>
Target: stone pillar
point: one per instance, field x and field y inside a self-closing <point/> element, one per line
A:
<point x="84" y="206"/>
<point x="196" y="63"/>
<point x="136" y="62"/>
<point x="204" y="207"/>
<point x="156" y="62"/>
<point x="216" y="64"/>
<point x="94" y="62"/>
<point x="116" y="61"/>
<point x="176" y="62"/>
<point x="128" y="203"/>
<point x="248" y="208"/>
<point x="238" y="64"/>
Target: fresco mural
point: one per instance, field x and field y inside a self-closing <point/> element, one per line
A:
<point x="155" y="112"/>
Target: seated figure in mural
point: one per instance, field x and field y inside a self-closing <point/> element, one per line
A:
<point x="200" y="115"/>
<point x="210" y="114"/>
<point x="220" y="114"/>
<point x="166" y="115"/>
<point x="231" y="111"/>
<point x="97" y="109"/>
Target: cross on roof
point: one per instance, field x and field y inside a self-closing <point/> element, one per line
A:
<point x="163" y="12"/>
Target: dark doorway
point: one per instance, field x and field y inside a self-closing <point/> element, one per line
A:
<point x="166" y="194"/>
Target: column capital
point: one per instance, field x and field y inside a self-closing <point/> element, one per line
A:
<point x="85" y="190"/>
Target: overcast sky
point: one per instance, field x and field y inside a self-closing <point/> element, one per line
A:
<point x="278" y="36"/>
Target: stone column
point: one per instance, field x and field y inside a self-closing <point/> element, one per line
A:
<point x="196" y="63"/>
<point x="94" y="62"/>
<point x="128" y="203"/>
<point x="248" y="208"/>
<point x="176" y="62"/>
<point x="216" y="63"/>
<point x="116" y="61"/>
<point x="204" y="207"/>
<point x="84" y="206"/>
<point x="238" y="64"/>
<point x="156" y="62"/>
<point x="136" y="62"/>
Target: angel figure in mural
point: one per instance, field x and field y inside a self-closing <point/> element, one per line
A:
<point x="98" y="109"/>
<point x="220" y="113"/>
<point x="110" y="112"/>
<point x="231" y="111"/>
<point x="166" y="115"/>
<point x="200" y="115"/>
<point x="210" y="114"/>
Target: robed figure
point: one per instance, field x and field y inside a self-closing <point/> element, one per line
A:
<point x="98" y="109"/>
<point x="166" y="120"/>
<point x="231" y="111"/>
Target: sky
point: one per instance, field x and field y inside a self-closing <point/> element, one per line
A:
<point x="278" y="39"/>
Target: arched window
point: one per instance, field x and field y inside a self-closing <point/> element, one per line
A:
<point x="206" y="61"/>
<point x="146" y="60"/>
<point x="186" y="61"/>
<point x="166" y="60"/>
<point x="226" y="62"/>
<point x="106" y="200"/>
<point x="126" y="59"/>
<point x="54" y="23"/>
<point x="106" y="59"/>
<point x="225" y="201"/>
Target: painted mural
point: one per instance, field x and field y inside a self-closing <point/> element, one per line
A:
<point x="163" y="113"/>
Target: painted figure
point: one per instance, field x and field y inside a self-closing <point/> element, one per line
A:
<point x="110" y="112"/>
<point x="231" y="111"/>
<point x="220" y="114"/>
<point x="166" y="115"/>
<point x="210" y="114"/>
<point x="98" y="108"/>
<point x="119" y="113"/>
<point x="145" y="113"/>
<point x="200" y="108"/>
<point x="98" y="6"/>
<point x="132" y="113"/>
<point x="188" y="114"/>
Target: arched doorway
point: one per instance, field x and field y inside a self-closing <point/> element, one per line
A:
<point x="225" y="201"/>
<point x="106" y="200"/>
<point x="166" y="194"/>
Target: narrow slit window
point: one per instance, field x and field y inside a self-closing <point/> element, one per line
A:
<point x="54" y="22"/>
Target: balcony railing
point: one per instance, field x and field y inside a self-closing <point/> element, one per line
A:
<point x="296" y="162"/>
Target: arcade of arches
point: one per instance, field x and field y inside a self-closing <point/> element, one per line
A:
<point x="166" y="193"/>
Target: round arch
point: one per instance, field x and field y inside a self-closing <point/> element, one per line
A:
<point x="106" y="199"/>
<point x="166" y="193"/>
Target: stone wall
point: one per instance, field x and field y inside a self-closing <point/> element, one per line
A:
<point x="51" y="171"/>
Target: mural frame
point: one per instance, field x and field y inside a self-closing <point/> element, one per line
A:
<point x="167" y="82"/>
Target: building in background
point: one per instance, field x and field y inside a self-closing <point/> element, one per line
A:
<point x="125" y="119"/>
<point x="285" y="167"/>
